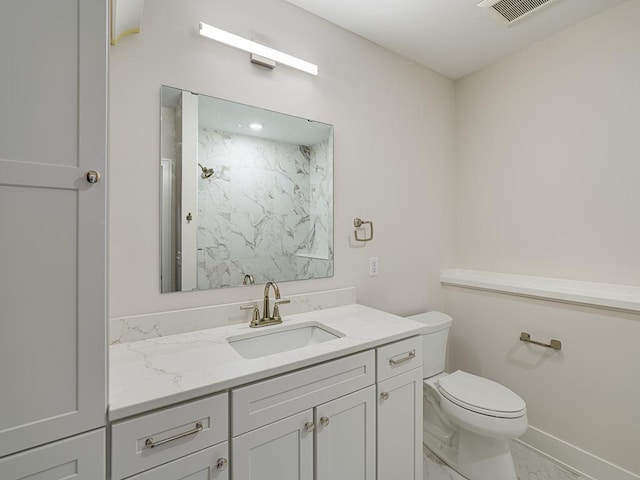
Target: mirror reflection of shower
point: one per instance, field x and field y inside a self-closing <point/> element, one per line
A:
<point x="264" y="206"/>
<point x="206" y="172"/>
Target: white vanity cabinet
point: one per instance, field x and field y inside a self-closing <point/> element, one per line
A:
<point x="333" y="421"/>
<point x="53" y="235"/>
<point x="399" y="419"/>
<point x="354" y="414"/>
<point x="340" y="435"/>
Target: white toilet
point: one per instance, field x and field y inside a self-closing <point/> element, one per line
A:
<point x="468" y="420"/>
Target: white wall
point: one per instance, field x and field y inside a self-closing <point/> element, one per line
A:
<point x="548" y="150"/>
<point x="548" y="163"/>
<point x="394" y="126"/>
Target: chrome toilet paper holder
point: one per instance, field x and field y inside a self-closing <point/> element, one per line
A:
<point x="553" y="343"/>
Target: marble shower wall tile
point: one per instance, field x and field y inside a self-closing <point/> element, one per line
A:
<point x="321" y="211"/>
<point x="267" y="205"/>
<point x="247" y="169"/>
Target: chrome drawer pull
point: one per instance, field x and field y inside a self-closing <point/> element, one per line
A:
<point x="410" y="355"/>
<point x="149" y="443"/>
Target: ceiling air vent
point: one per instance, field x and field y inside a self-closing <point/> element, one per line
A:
<point x="511" y="11"/>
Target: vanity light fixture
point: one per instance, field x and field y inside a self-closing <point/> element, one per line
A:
<point x="256" y="49"/>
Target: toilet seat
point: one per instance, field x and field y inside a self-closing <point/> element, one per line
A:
<point x="481" y="395"/>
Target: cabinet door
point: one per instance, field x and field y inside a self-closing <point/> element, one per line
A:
<point x="52" y="221"/>
<point x="346" y="437"/>
<point x="78" y="458"/>
<point x="208" y="464"/>
<point x="282" y="450"/>
<point x="400" y="427"/>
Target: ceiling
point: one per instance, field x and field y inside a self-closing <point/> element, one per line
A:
<point x="452" y="37"/>
<point x="227" y="116"/>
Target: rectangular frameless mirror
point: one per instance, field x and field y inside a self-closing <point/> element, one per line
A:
<point x="246" y="194"/>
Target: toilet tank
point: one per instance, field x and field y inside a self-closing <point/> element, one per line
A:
<point x="434" y="341"/>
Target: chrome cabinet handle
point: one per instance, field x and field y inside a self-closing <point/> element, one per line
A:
<point x="410" y="355"/>
<point x="93" y="176"/>
<point x="384" y="395"/>
<point x="324" y="421"/>
<point x="149" y="443"/>
<point x="309" y="426"/>
<point x="222" y="464"/>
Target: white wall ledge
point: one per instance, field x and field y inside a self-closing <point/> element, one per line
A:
<point x="604" y="295"/>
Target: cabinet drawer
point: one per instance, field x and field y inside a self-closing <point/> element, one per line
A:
<point x="267" y="401"/>
<point x="79" y="458"/>
<point x="156" y="438"/>
<point x="398" y="357"/>
<point x="208" y="464"/>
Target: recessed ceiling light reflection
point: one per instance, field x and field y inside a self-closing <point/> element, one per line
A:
<point x="255" y="126"/>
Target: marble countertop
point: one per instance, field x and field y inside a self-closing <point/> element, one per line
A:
<point x="158" y="372"/>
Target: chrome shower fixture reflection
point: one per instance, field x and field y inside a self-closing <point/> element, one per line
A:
<point x="206" y="172"/>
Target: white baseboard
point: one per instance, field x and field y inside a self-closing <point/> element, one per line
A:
<point x="574" y="458"/>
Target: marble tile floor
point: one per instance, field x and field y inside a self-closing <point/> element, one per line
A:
<point x="529" y="466"/>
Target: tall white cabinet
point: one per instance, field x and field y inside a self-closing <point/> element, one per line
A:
<point x="52" y="238"/>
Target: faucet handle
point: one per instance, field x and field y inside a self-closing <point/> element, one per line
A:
<point x="276" y="308"/>
<point x="256" y="312"/>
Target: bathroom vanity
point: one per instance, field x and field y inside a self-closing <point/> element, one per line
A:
<point x="344" y="402"/>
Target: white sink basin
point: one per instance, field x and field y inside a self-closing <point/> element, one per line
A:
<point x="270" y="340"/>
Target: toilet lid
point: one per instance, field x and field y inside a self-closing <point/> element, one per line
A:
<point x="481" y="395"/>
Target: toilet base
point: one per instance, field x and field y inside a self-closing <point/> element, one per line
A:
<point x="483" y="458"/>
<point x="476" y="457"/>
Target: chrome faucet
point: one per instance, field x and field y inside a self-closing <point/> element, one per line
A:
<point x="267" y="317"/>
